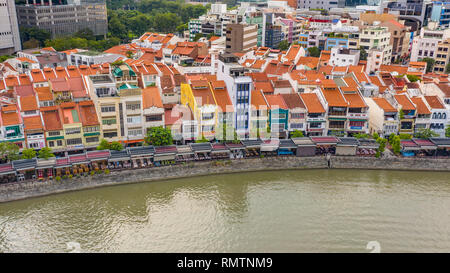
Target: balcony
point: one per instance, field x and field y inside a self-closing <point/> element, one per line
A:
<point x="357" y="115"/>
<point x="316" y="119"/>
<point x="337" y="114"/>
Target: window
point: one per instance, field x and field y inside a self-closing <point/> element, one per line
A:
<point x="91" y="129"/>
<point x="72" y="131"/>
<point x="297" y="125"/>
<point x="91" y="139"/>
<point x="109" y="121"/>
<point x="74" y="141"/>
<point x="135" y="132"/>
<point x="109" y="134"/>
<point x="134" y="119"/>
<point x="134" y="106"/>
<point x="51" y="144"/>
<point x="54" y="133"/>
<point x="153" y="118"/>
<point x="59" y="142"/>
<point x="106" y="109"/>
<point x="297" y="115"/>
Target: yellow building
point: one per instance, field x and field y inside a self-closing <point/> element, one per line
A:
<point x="200" y="99"/>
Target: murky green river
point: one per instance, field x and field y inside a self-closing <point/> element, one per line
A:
<point x="286" y="211"/>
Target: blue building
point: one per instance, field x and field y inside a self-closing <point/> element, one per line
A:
<point x="441" y="13"/>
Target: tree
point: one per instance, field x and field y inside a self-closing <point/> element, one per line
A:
<point x="362" y="54"/>
<point x="405" y="136"/>
<point x="32" y="43"/>
<point x="314" y="51"/>
<point x="413" y="78"/>
<point x="447" y="132"/>
<point x="46" y="153"/>
<point x="283" y="45"/>
<point x="401" y="114"/>
<point x="375" y="135"/>
<point x="447" y="69"/>
<point x="430" y="63"/>
<point x="5" y="57"/>
<point x="104" y="145"/>
<point x="28" y="153"/>
<point x="396" y="147"/>
<point x="197" y="36"/>
<point x="381" y="147"/>
<point x="39" y="35"/>
<point x="116" y="145"/>
<point x="9" y="150"/>
<point x="425" y="133"/>
<point x="159" y="136"/>
<point x="85" y="33"/>
<point x="297" y="133"/>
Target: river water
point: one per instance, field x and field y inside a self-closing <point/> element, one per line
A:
<point x="283" y="211"/>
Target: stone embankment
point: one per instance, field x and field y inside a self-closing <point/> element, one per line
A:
<point x="28" y="189"/>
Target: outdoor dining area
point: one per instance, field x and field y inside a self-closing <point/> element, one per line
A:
<point x="252" y="147"/>
<point x="325" y="144"/>
<point x="150" y="156"/>
<point x="202" y="151"/>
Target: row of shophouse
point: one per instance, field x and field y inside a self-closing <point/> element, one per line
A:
<point x="73" y="108"/>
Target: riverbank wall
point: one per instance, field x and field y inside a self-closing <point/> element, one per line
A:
<point x="28" y="189"/>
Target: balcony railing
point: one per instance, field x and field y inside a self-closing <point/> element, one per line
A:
<point x="357" y="115"/>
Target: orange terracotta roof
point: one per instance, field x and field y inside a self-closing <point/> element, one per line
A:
<point x="293" y="52"/>
<point x="276" y="101"/>
<point x="257" y="100"/>
<point x="88" y="114"/>
<point x="28" y="103"/>
<point x="293" y="101"/>
<point x="340" y="69"/>
<point x="10" y="118"/>
<point x="37" y="75"/>
<point x="32" y="123"/>
<point x="266" y="87"/>
<point x="334" y="98"/>
<point x="44" y="93"/>
<point x="405" y="103"/>
<point x="401" y="70"/>
<point x="222" y="98"/>
<point x="25" y="59"/>
<point x="151" y="97"/>
<point x="311" y="62"/>
<point x="355" y="100"/>
<point x="434" y="102"/>
<point x="52" y="118"/>
<point x="385" y="105"/>
<point x="49" y="73"/>
<point x="422" y="109"/>
<point x="312" y="103"/>
<point x="11" y="81"/>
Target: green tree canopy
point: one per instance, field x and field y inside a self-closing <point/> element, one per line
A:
<point x="46" y="153"/>
<point x="297" y="133"/>
<point x="116" y="145"/>
<point x="413" y="78"/>
<point x="430" y="63"/>
<point x="28" y="153"/>
<point x="447" y="132"/>
<point x="425" y="133"/>
<point x="362" y="54"/>
<point x="9" y="150"/>
<point x="103" y="145"/>
<point x="314" y="51"/>
<point x="283" y="45"/>
<point x="159" y="136"/>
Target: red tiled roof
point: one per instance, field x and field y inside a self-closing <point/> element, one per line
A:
<point x="312" y="103"/>
<point x="405" y="103"/>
